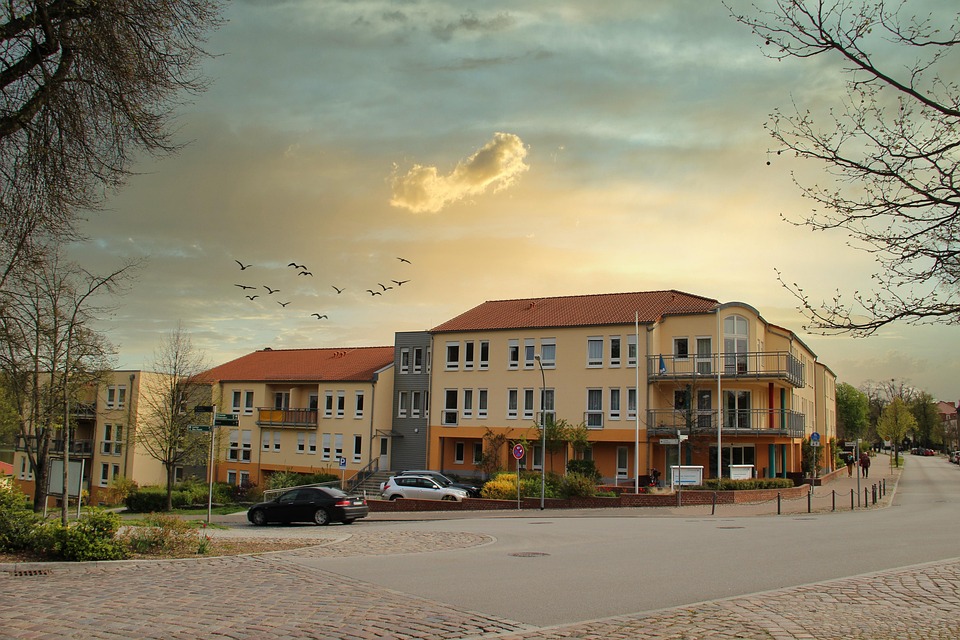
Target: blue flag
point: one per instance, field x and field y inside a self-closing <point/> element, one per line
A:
<point x="663" y="366"/>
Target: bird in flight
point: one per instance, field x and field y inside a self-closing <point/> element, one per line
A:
<point x="297" y="266"/>
<point x="399" y="282"/>
<point x="283" y="304"/>
<point x="318" y="316"/>
<point x="374" y="293"/>
<point x="403" y="260"/>
<point x="339" y="291"/>
<point x="243" y="286"/>
<point x="243" y="267"/>
<point x="269" y="290"/>
<point x="384" y="287"/>
<point x="252" y="297"/>
<point x="304" y="273"/>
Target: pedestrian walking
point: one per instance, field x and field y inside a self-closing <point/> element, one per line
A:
<point x="849" y="459"/>
<point x="865" y="464"/>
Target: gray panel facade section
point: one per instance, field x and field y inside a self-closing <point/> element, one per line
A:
<point x="409" y="446"/>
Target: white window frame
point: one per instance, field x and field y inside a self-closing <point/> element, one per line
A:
<point x="357" y="447"/>
<point x="247" y="403"/>
<point x="632" y="350"/>
<point x="337" y="446"/>
<point x="231" y="477"/>
<point x="677" y="341"/>
<point x="595" y="344"/>
<point x="548" y="353"/>
<point x="458" y="452"/>
<point x="328" y="404"/>
<point x="616" y="344"/>
<point x="615" y="401"/>
<point x="513" y="353"/>
<point x="233" y="446"/>
<point x="482" y="403"/>
<point x="312" y="444"/>
<point x="477" y="452"/>
<point x="528" y="401"/>
<point x="484" y="355"/>
<point x="341" y="403"/>
<point x="404" y="360"/>
<point x="595" y="413"/>
<point x="402" y="404"/>
<point x="265" y="438"/>
<point x="237" y="400"/>
<point x="417" y="360"/>
<point x="468" y="403"/>
<point x="415" y="399"/>
<point x="450" y="415"/>
<point x="325" y="443"/>
<point x="513" y="400"/>
<point x="301" y="442"/>
<point x="469" y="355"/>
<point x="529" y="353"/>
<point x="632" y="403"/>
<point x="358" y="404"/>
<point x="452" y="350"/>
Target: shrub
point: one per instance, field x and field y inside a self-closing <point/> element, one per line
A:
<point x="93" y="537"/>
<point x="17" y="519"/>
<point x="503" y="486"/>
<point x="162" y="533"/>
<point x="118" y="490"/>
<point x="586" y="468"/>
<point x="742" y="485"/>
<point x="149" y="499"/>
<point x="577" y="485"/>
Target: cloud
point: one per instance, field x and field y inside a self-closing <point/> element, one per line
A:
<point x="498" y="164"/>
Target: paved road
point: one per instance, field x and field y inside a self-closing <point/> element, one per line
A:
<point x="877" y="573"/>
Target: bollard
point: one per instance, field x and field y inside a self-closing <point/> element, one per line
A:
<point x="713" y="509"/>
<point x="874" y="489"/>
<point x="866" y="497"/>
<point x="851" y="500"/>
<point x="833" y="500"/>
<point x="810" y="500"/>
<point x="778" y="503"/>
<point x="884" y="482"/>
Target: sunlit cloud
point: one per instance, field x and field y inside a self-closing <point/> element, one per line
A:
<point x="495" y="165"/>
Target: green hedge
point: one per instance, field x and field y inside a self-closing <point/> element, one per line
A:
<point x="713" y="484"/>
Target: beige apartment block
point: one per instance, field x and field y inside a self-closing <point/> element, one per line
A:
<point x="103" y="427"/>
<point x="303" y="410"/>
<point x="657" y="377"/>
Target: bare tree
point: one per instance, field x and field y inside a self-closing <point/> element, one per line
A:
<point x="49" y="352"/>
<point x="890" y="147"/>
<point x="84" y="86"/>
<point x="169" y="397"/>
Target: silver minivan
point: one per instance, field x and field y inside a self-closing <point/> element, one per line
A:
<point x="420" y="488"/>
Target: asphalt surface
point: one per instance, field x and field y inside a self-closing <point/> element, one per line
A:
<point x="889" y="570"/>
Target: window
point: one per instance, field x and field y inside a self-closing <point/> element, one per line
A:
<point x="301" y="442"/>
<point x="632" y="403"/>
<point x="338" y="445"/>
<point x="104" y="474"/>
<point x="548" y="353"/>
<point x="704" y="408"/>
<point x="357" y="448"/>
<point x="314" y="402"/>
<point x="453" y="355"/>
<point x="458" y="453"/>
<point x="237" y="397"/>
<point x="244" y="478"/>
<point x="704" y="356"/>
<point x="281" y="400"/>
<point x="614" y="404"/>
<point x="482" y="403"/>
<point x="736" y="409"/>
<point x="547" y="408"/>
<point x="231" y="477"/>
<point x="177" y="473"/>
<point x="233" y="445"/>
<point x="594" y="352"/>
<point x="681" y="400"/>
<point x="358" y="405"/>
<point x="404" y="360"/>
<point x="595" y="408"/>
<point x="735" y="334"/>
<point x="276" y="441"/>
<point x="484" y="354"/>
<point x="325" y="442"/>
<point x="632" y="350"/>
<point x="312" y="443"/>
<point x="121" y="396"/>
<point x="246" y="445"/>
<point x="511" y="404"/>
<point x="528" y="404"/>
<point x="529" y="353"/>
<point x="26" y="469"/>
<point x="112" y="440"/>
<point x="328" y="404"/>
<point x="468" y="355"/>
<point x="477" y="452"/>
<point x="537" y="458"/>
<point x="426" y="404"/>
<point x="116" y="396"/>
<point x="414" y="404"/>
<point x="248" y="403"/>
<point x="513" y="354"/>
<point x="681" y="348"/>
<point x="614" y="351"/>
<point x="417" y="359"/>
<point x="341" y="403"/>
<point x="468" y="403"/>
<point x="402" y="405"/>
<point x="449" y="407"/>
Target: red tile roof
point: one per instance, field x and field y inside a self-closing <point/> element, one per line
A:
<point x="344" y="364"/>
<point x="577" y="311"/>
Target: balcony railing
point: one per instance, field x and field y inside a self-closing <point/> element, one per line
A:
<point x="82" y="448"/>
<point x="758" y="422"/>
<point x="761" y="365"/>
<point x="293" y="418"/>
<point x="84" y="410"/>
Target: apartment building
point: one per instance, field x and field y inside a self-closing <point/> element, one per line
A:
<point x="102" y="443"/>
<point x="658" y="378"/>
<point x="303" y="410"/>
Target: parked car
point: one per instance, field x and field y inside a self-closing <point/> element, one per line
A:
<point x="420" y="488"/>
<point x="320" y="505"/>
<point x="472" y="490"/>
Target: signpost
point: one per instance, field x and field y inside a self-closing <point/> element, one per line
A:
<point x="342" y="462"/>
<point x="518" y="454"/>
<point x="815" y="442"/>
<point x="201" y="408"/>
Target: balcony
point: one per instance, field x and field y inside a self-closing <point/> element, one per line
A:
<point x="84" y="410"/>
<point x="762" y="365"/>
<point x="292" y="418"/>
<point x="78" y="448"/>
<point x="750" y="422"/>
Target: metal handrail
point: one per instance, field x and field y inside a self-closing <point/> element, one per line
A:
<point x="754" y="364"/>
<point x="371" y="468"/>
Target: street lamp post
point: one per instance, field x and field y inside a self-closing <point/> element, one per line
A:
<point x="543" y="433"/>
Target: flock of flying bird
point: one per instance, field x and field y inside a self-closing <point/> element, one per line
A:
<point x="303" y="271"/>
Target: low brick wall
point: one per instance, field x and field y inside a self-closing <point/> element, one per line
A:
<point x="687" y="498"/>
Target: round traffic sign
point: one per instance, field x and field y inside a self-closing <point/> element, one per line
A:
<point x="518" y="451"/>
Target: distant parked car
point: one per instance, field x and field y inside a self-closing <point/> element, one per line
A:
<point x="320" y="505"/>
<point x="472" y="490"/>
<point x="420" y="488"/>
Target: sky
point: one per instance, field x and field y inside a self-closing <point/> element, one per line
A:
<point x="504" y="149"/>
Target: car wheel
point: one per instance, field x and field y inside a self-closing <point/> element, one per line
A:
<point x="348" y="521"/>
<point x="395" y="496"/>
<point x="321" y="517"/>
<point x="449" y="498"/>
<point x="258" y="517"/>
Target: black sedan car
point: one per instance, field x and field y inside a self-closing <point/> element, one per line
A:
<point x="320" y="505"/>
